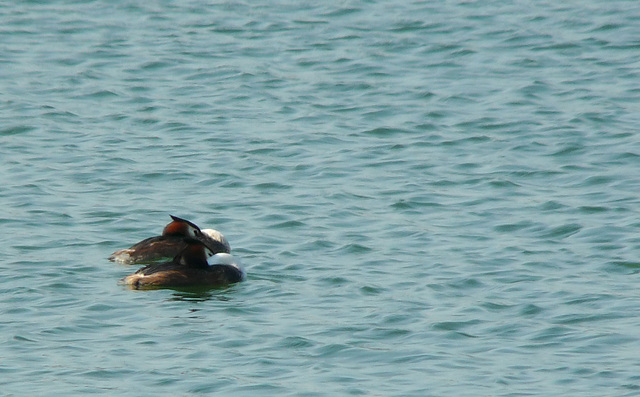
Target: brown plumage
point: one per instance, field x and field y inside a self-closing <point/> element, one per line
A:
<point x="188" y="269"/>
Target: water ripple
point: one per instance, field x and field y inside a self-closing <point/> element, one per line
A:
<point x="430" y="198"/>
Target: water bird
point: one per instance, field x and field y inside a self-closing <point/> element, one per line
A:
<point x="195" y="266"/>
<point x="170" y="243"/>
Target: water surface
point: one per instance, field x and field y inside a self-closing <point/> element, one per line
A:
<point x="430" y="198"/>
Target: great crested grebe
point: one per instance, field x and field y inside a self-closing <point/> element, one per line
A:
<point x="194" y="266"/>
<point x="170" y="243"/>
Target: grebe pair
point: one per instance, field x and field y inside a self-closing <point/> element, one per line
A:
<point x="200" y="258"/>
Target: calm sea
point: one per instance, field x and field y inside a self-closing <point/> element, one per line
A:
<point x="431" y="198"/>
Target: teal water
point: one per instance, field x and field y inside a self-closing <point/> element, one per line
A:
<point x="430" y="198"/>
